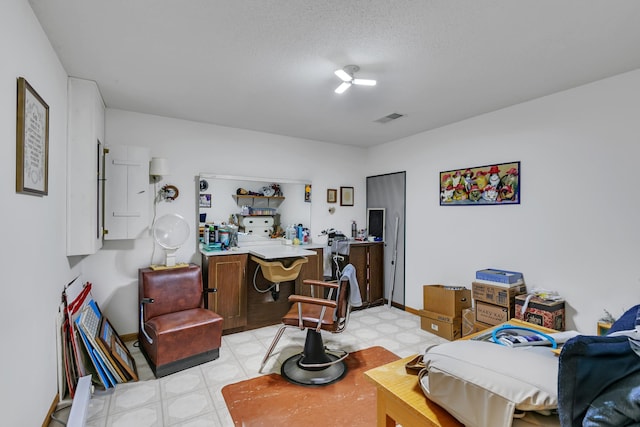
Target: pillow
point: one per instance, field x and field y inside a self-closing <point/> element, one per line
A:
<point x="486" y="384"/>
<point x="626" y="322"/>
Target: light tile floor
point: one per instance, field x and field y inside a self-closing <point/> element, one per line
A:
<point x="193" y="397"/>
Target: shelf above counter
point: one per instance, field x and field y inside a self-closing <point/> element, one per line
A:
<point x="258" y="201"/>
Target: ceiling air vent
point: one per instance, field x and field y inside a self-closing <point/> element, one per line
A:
<point x="389" y="117"/>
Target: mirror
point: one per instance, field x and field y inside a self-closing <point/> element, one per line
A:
<point x="219" y="203"/>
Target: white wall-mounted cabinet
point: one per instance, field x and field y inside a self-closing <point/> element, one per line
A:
<point x="85" y="161"/>
<point x="127" y="198"/>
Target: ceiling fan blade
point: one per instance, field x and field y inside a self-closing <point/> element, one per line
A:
<point x="364" y="82"/>
<point x="343" y="86"/>
<point x="344" y="76"/>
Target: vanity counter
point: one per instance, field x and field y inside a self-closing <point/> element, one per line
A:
<point x="267" y="251"/>
<point x="279" y="251"/>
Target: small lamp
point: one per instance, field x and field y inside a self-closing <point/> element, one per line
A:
<point x="158" y="167"/>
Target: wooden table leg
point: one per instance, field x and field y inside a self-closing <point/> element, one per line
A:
<point x="383" y="420"/>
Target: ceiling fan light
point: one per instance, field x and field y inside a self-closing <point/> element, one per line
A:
<point x="343" y="86"/>
<point x="364" y="82"/>
<point x="343" y="75"/>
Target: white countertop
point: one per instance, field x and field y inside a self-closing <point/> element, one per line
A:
<point x="279" y="251"/>
<point x="272" y="251"/>
<point x="274" y="248"/>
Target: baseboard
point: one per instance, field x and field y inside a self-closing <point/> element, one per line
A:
<point x="412" y="311"/>
<point x="52" y="410"/>
<point x="399" y="306"/>
<point x="129" y="337"/>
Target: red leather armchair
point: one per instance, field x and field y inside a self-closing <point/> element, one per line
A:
<point x="175" y="331"/>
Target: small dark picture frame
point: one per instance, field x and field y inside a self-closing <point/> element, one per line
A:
<point x="332" y="195"/>
<point x="346" y="196"/>
<point x="307" y="193"/>
<point x="32" y="141"/>
<point x="205" y="200"/>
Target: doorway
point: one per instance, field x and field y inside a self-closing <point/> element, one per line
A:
<point x="388" y="192"/>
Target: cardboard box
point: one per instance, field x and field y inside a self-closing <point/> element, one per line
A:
<point x="446" y="300"/>
<point x="492" y="314"/>
<point x="438" y="316"/>
<point x="497" y="295"/>
<point x="501" y="276"/>
<point x="502" y="285"/>
<point x="549" y="314"/>
<point x="432" y="322"/>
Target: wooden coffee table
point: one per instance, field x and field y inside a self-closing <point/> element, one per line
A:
<point x="401" y="400"/>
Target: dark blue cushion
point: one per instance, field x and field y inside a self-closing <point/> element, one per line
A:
<point x="588" y="366"/>
<point x="627" y="321"/>
<point x="592" y="368"/>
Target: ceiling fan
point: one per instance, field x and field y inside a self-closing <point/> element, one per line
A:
<point x="346" y="75"/>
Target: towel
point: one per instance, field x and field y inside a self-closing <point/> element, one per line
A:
<point x="349" y="273"/>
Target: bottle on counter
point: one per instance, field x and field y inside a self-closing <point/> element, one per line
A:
<point x="354" y="230"/>
<point x="205" y="235"/>
<point x="290" y="232"/>
<point x="223" y="235"/>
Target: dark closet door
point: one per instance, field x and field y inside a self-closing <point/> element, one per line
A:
<point x="388" y="191"/>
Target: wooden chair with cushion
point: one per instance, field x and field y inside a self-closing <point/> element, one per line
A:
<point x="175" y="331"/>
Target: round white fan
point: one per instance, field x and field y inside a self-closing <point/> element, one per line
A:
<point x="171" y="231"/>
<point x="346" y="74"/>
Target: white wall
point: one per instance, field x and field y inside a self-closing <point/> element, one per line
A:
<point x="193" y="148"/>
<point x="34" y="266"/>
<point x="576" y="230"/>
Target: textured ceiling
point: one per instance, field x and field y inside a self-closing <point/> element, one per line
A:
<point x="268" y="65"/>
